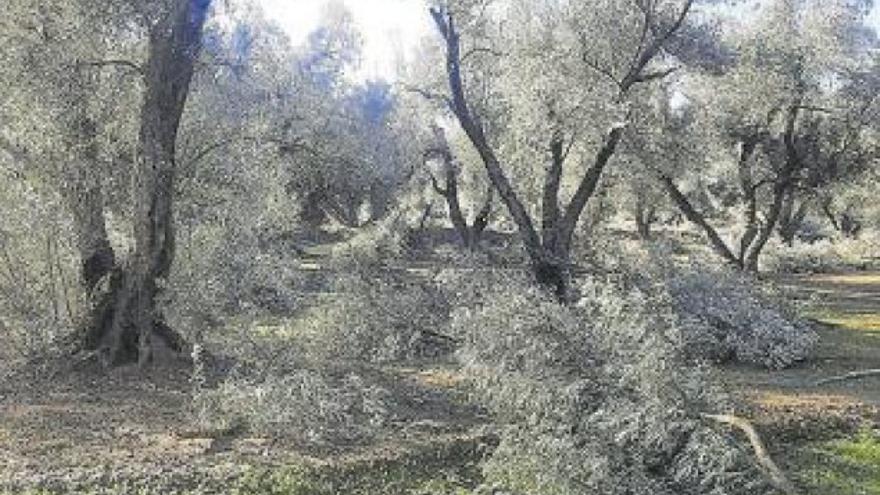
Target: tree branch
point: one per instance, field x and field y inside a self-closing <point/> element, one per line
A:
<point x="654" y="75"/>
<point x="128" y="64"/>
<point x="698" y="219"/>
<point x="474" y="51"/>
<point x="430" y="96"/>
<point x="775" y="475"/>
<point x="470" y="124"/>
<point x="635" y="71"/>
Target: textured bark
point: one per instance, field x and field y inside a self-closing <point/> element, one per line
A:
<point x="550" y="210"/>
<point x="749" y="191"/>
<point x="127" y="315"/>
<point x="85" y="197"/>
<point x="96" y="253"/>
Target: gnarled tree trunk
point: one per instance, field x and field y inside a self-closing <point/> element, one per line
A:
<point x="85" y="197"/>
<point x="128" y="318"/>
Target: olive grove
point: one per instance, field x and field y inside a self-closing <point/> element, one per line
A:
<point x="557" y="237"/>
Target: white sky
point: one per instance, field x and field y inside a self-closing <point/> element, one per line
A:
<point x="390" y="28"/>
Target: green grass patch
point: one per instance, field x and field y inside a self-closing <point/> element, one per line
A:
<point x="842" y="467"/>
<point x="861" y="321"/>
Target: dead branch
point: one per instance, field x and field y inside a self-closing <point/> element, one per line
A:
<point x="852" y="375"/>
<point x="775" y="475"/>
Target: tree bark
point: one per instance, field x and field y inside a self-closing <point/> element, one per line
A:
<point x="749" y="191"/>
<point x="85" y="197"/>
<point x="174" y="45"/>
<point x="791" y="218"/>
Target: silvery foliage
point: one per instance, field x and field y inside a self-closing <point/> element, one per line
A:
<point x="596" y="398"/>
<point x="41" y="299"/>
<point x="374" y="314"/>
<point x="311" y="405"/>
<point x="726" y="315"/>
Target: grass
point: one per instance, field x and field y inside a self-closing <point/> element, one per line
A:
<point x="872" y="279"/>
<point x="843" y="467"/>
<point x="453" y="470"/>
<point x="857" y="321"/>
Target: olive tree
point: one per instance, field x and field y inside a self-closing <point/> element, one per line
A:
<point x="583" y="64"/>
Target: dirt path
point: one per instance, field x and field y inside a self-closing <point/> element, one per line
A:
<point x="791" y="403"/>
<point x="848" y="310"/>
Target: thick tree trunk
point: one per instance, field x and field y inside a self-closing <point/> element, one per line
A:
<point x="749" y="191"/>
<point x="84" y="195"/>
<point x="481" y="220"/>
<point x="96" y="253"/>
<point x="783" y="185"/>
<point x="126" y="335"/>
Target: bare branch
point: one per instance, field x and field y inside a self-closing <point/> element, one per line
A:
<point x="596" y="66"/>
<point x="648" y="54"/>
<point x="430" y="96"/>
<point x="128" y="64"/>
<point x="475" y="51"/>
<point x="654" y="75"/>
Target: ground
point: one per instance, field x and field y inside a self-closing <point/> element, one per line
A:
<point x="84" y="428"/>
<point x="824" y="434"/>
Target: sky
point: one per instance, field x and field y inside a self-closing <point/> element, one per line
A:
<point x="390" y="28"/>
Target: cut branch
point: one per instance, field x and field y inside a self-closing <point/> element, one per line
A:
<point x="852" y="375"/>
<point x="775" y="475"/>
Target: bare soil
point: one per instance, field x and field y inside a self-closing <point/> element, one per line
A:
<point x="131" y="427"/>
<point x="76" y="427"/>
